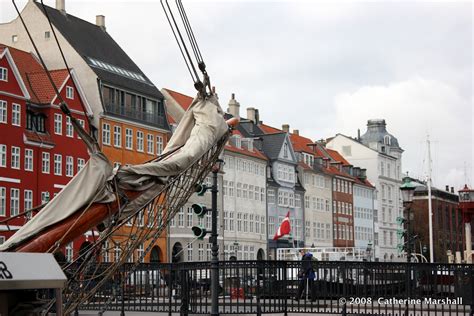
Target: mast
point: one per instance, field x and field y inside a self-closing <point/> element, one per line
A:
<point x="430" y="207"/>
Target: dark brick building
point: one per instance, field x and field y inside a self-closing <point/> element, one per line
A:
<point x="448" y="229"/>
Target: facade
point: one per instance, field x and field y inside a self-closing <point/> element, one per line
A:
<point x="285" y="194"/>
<point x="363" y="211"/>
<point x="448" y="227"/>
<point x="39" y="150"/>
<point x="379" y="153"/>
<point x="317" y="183"/>
<point x="127" y="110"/>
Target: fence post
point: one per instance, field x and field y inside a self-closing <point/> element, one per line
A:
<point x="184" y="293"/>
<point x="259" y="308"/>
<point x="285" y="287"/>
<point x="122" y="289"/>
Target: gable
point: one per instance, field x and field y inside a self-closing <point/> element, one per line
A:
<point x="286" y="150"/>
<point x="14" y="85"/>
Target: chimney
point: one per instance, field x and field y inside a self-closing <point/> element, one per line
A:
<point x="257" y="117"/>
<point x="452" y="190"/>
<point x="296" y="132"/>
<point x="234" y="107"/>
<point x="358" y="134"/>
<point x="61" y="6"/>
<point x="286" y="128"/>
<point x="251" y="114"/>
<point x="100" y="21"/>
<point x="447" y="188"/>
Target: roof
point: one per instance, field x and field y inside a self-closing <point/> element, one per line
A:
<point x="376" y="132"/>
<point x="364" y="182"/>
<point x="183" y="100"/>
<point x="269" y="129"/>
<point x="256" y="153"/>
<point x="99" y="50"/>
<point x="272" y="144"/>
<point x="333" y="170"/>
<point x="42" y="92"/>
<point x="300" y="144"/>
<point x="38" y="137"/>
<point x="335" y="155"/>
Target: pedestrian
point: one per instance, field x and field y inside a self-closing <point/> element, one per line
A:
<point x="306" y="275"/>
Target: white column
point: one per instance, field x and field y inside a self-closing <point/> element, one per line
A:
<point x="468" y="254"/>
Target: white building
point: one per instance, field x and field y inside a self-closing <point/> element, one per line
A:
<point x="379" y="153"/>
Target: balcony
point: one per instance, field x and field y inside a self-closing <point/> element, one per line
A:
<point x="134" y="115"/>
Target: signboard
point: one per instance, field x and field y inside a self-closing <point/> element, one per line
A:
<point x="20" y="271"/>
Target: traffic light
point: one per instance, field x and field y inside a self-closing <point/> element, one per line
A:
<point x="199" y="209"/>
<point x="199" y="231"/>
<point x="201" y="189"/>
<point x="401" y="220"/>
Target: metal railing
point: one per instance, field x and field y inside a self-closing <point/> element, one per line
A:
<point x="259" y="287"/>
<point x="136" y="115"/>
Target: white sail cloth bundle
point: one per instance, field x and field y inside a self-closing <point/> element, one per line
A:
<point x="199" y="129"/>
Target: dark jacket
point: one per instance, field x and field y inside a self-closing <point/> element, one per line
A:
<point x="307" y="271"/>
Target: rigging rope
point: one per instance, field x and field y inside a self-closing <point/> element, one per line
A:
<point x="198" y="84"/>
<point x="63" y="105"/>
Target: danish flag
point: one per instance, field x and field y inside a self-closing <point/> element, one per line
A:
<point x="284" y="228"/>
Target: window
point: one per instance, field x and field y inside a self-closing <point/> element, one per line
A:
<point x="129" y="139"/>
<point x="346" y="150"/>
<point x="285" y="150"/>
<point x="69" y="92"/>
<point x="189" y="218"/>
<point x="271" y="196"/>
<point x="3" y="198"/>
<point x="150" y="148"/>
<point x="14" y="38"/>
<point x="47" y="34"/>
<point x="28" y="201"/>
<point x="117" y="136"/>
<point x="190" y="252"/>
<point x="4" y="73"/>
<point x="69" y="166"/>
<point x="57" y="164"/>
<point x="16" y="114"/>
<point x="382" y="168"/>
<point x="29" y="159"/>
<point x="231" y="221"/>
<point x="262" y="195"/>
<point x="159" y="145"/>
<point x="45" y="162"/>
<point x="80" y="164"/>
<point x="69" y="129"/>
<point x="14" y="202"/>
<point x="105" y="134"/>
<point x="15" y="161"/>
<point x="3" y="112"/>
<point x="58" y="124"/>
<point x="3" y="155"/>
<point x="140" y="136"/>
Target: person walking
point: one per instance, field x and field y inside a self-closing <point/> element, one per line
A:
<point x="306" y="275"/>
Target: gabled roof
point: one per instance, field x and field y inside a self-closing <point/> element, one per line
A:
<point x="269" y="129"/>
<point x="364" y="182"/>
<point x="23" y="62"/>
<point x="255" y="153"/>
<point x="272" y="144"/>
<point x="335" y="155"/>
<point x="99" y="50"/>
<point x="300" y="144"/>
<point x="42" y="92"/>
<point x="183" y="100"/>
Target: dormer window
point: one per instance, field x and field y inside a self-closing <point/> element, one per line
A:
<point x="3" y="74"/>
<point x="238" y="141"/>
<point x="69" y="92"/>
<point x="250" y="144"/>
<point x="387" y="140"/>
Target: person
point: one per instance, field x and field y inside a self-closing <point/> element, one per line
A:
<point x="306" y="275"/>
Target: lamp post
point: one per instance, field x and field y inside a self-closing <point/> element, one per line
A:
<point x="213" y="241"/>
<point x="408" y="190"/>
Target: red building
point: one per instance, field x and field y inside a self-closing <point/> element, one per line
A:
<point x="39" y="150"/>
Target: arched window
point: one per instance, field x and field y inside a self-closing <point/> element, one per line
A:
<point x="387" y="140"/>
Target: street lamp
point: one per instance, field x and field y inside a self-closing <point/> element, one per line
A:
<point x="408" y="190"/>
<point x="213" y="240"/>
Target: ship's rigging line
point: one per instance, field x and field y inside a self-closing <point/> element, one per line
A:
<point x="63" y="105"/>
<point x="198" y="84"/>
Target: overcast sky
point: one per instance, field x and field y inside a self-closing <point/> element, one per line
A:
<point x="322" y="67"/>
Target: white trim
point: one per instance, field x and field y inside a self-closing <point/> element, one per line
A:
<point x="59" y="186"/>
<point x="36" y="144"/>
<point x="11" y="180"/>
<point x="16" y="73"/>
<point x="13" y="95"/>
<point x="54" y="106"/>
<point x="61" y="88"/>
<point x="146" y="127"/>
<point x="4" y="228"/>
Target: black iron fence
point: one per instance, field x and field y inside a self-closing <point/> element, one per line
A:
<point x="258" y="287"/>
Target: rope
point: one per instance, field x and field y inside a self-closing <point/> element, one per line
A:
<point x="64" y="59"/>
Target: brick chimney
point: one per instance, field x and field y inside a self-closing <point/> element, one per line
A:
<point x="61" y="6"/>
<point x="296" y="132"/>
<point x="234" y="107"/>
<point x="286" y="128"/>
<point x="251" y="115"/>
<point x="100" y="21"/>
